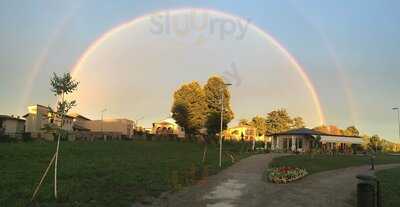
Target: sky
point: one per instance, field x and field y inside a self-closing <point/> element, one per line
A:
<point x="348" y="49"/>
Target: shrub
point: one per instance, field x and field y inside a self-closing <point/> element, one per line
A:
<point x="149" y="137"/>
<point x="174" y="182"/>
<point x="26" y="137"/>
<point x="6" y="138"/>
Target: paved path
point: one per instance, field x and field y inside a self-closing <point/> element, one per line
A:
<point x="336" y="188"/>
<point x="234" y="186"/>
<point x="242" y="185"/>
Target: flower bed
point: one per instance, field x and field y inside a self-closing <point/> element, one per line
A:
<point x="285" y="174"/>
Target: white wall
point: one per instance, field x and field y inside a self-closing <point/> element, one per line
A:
<point x="13" y="126"/>
<point x="122" y="126"/>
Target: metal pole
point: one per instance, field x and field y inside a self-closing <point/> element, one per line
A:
<point x="222" y="120"/>
<point x="137" y="123"/>
<point x="101" y="122"/>
<point x="398" y="120"/>
<point x="398" y="117"/>
<point x="102" y="133"/>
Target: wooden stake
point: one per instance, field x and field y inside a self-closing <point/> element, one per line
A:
<point x="43" y="176"/>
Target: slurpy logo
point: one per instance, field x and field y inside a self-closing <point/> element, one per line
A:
<point x="198" y="25"/>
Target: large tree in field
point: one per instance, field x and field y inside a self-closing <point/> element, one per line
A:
<point x="189" y="108"/>
<point x="278" y="121"/>
<point x="214" y="89"/>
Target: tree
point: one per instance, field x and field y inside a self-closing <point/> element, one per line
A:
<point x="244" y="122"/>
<point x="298" y="123"/>
<point x="214" y="88"/>
<point x="60" y="86"/>
<point x="190" y="108"/>
<point x="375" y="143"/>
<point x="351" y="131"/>
<point x="331" y="129"/>
<point x="316" y="144"/>
<point x="260" y="124"/>
<point x="278" y="121"/>
<point x="365" y="144"/>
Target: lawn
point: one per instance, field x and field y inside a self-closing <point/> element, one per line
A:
<point x="116" y="173"/>
<point x="320" y="163"/>
<point x="390" y="186"/>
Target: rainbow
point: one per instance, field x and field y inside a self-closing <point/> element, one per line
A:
<point x="44" y="54"/>
<point x="336" y="63"/>
<point x="298" y="68"/>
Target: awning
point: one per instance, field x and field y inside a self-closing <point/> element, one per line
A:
<point x="342" y="139"/>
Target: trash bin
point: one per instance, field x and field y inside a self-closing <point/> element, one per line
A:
<point x="366" y="194"/>
<point x="368" y="191"/>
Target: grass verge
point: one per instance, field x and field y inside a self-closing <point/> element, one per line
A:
<point x="114" y="173"/>
<point x="390" y="186"/>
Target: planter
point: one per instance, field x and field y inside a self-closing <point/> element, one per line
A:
<point x="285" y="174"/>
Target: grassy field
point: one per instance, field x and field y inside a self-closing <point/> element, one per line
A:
<point x="115" y="173"/>
<point x="320" y="163"/>
<point x="390" y="181"/>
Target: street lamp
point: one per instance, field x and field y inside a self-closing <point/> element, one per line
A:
<point x="398" y="117"/>
<point x="222" y="122"/>
<point x="102" y="112"/>
<point x="137" y="120"/>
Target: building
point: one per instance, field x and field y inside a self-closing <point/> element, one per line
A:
<point x="301" y="140"/>
<point x="79" y="122"/>
<point x="87" y="129"/>
<point x="12" y="126"/>
<point x="39" y="116"/>
<point x="124" y="127"/>
<point x="245" y="133"/>
<point x="168" y="126"/>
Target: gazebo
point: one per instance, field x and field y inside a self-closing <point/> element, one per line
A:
<point x="300" y="140"/>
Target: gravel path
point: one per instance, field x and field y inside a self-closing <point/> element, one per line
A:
<point x="242" y="185"/>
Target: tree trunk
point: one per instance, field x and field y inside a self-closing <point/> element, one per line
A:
<point x="205" y="152"/>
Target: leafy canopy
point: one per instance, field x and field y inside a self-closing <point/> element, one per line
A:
<point x="189" y="108"/>
<point x="260" y="124"/>
<point x="298" y="123"/>
<point x="61" y="86"/>
<point x="214" y="89"/>
<point x="278" y="121"/>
